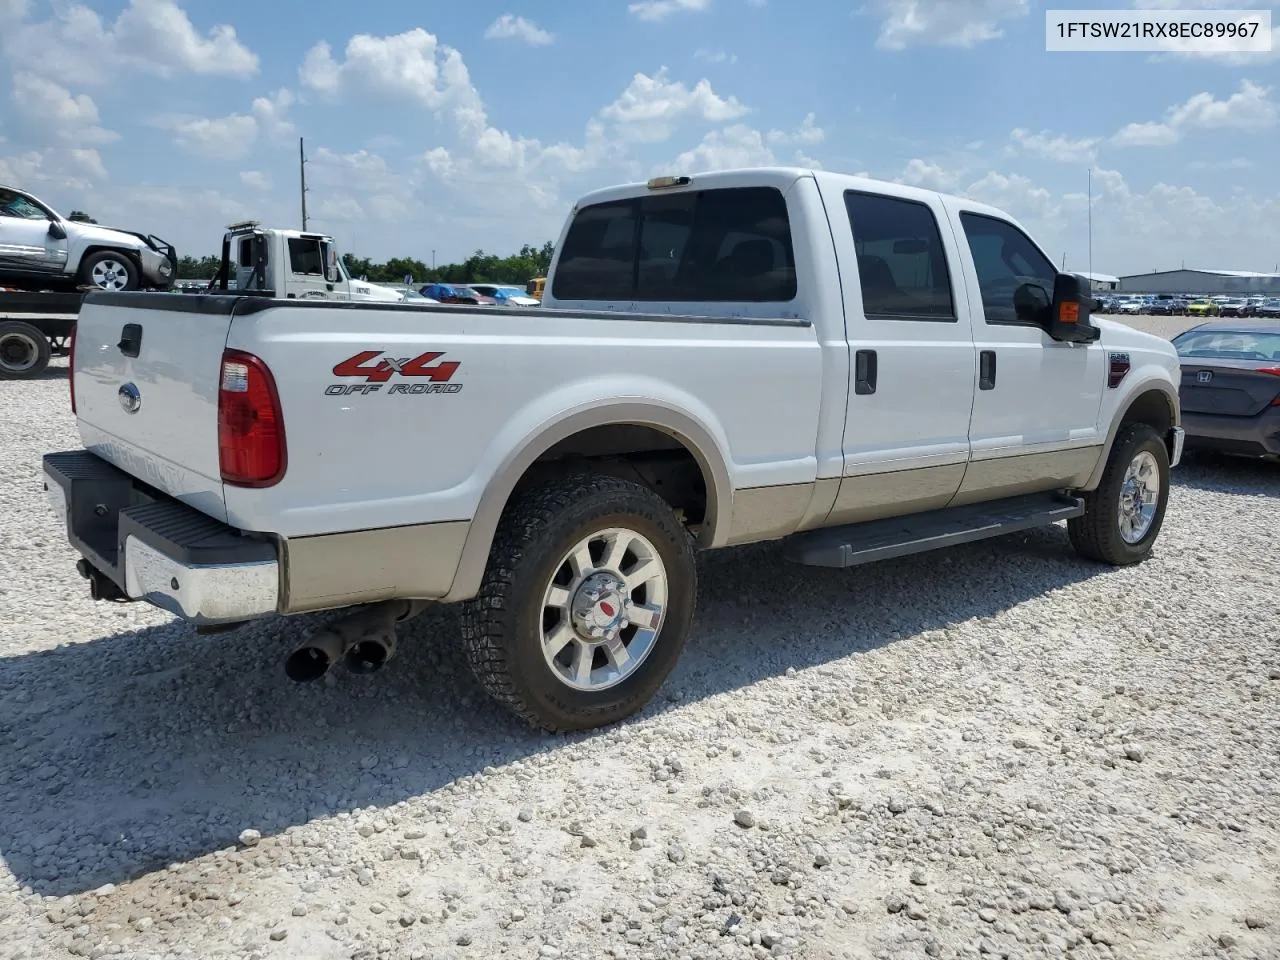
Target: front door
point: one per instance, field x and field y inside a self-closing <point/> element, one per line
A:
<point x="25" y="242"/>
<point x="912" y="357"/>
<point x="1035" y="412"/>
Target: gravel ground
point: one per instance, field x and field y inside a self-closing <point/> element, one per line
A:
<point x="994" y="750"/>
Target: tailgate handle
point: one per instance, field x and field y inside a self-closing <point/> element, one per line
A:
<point x="131" y="339"/>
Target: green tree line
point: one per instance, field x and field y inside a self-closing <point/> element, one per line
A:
<point x="480" y="267"/>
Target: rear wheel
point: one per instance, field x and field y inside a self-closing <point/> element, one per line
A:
<point x="1124" y="514"/>
<point x="24" y="351"/>
<point x="110" y="270"/>
<point x="586" y="602"/>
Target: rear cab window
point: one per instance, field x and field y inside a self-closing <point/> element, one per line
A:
<point x="724" y="245"/>
<point x="902" y="264"/>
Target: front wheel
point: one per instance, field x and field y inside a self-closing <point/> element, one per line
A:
<point x="586" y="602"/>
<point x="110" y="270"/>
<point x="1124" y="514"/>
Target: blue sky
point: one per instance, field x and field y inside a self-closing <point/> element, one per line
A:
<point x="445" y="127"/>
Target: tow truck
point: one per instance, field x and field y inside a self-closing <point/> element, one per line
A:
<point x="291" y="264"/>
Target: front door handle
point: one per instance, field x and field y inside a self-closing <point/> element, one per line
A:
<point x="864" y="372"/>
<point x="987" y="370"/>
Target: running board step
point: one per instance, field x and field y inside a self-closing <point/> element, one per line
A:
<point x="857" y="543"/>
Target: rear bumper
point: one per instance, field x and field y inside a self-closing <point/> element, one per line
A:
<point x="1257" y="436"/>
<point x="153" y="548"/>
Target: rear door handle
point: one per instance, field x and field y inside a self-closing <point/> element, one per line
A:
<point x="131" y="339"/>
<point x="987" y="370"/>
<point x="864" y="372"/>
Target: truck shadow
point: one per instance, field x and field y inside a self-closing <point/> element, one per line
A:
<point x="122" y="755"/>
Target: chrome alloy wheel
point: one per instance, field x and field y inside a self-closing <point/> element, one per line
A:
<point x="1139" y="497"/>
<point x="603" y="609"/>
<point x="110" y="274"/>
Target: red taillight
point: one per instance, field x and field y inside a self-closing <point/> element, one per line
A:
<point x="251" y="447"/>
<point x="71" y="366"/>
<point x="1274" y="371"/>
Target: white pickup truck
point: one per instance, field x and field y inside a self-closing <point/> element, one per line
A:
<point x="858" y="369"/>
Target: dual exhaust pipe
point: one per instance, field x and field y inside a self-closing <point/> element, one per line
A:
<point x="364" y="640"/>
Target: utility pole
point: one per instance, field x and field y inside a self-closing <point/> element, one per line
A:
<point x="433" y="259"/>
<point x="302" y="169"/>
<point x="1091" y="220"/>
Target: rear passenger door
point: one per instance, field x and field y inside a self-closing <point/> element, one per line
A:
<point x="1035" y="414"/>
<point x="906" y="439"/>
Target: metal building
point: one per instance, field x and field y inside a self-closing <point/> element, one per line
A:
<point x="1099" y="282"/>
<point x="1204" y="282"/>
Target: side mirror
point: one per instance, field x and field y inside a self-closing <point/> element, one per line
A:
<point x="1068" y="319"/>
<point x="57" y="230"/>
<point x="1031" y="304"/>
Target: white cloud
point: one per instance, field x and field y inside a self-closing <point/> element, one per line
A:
<point x="807" y="134"/>
<point x="727" y="149"/>
<point x="509" y="27"/>
<point x="714" y="56"/>
<point x="411" y="68"/>
<point x="930" y="176"/>
<point x="59" y="116"/>
<point x="271" y="112"/>
<point x="1249" y="110"/>
<point x="1235" y="163"/>
<point x="151" y="36"/>
<point x="255" y="179"/>
<point x="945" y="23"/>
<point x="13" y="10"/>
<point x="222" y="138"/>
<point x="652" y="107"/>
<point x="1148" y="134"/>
<point x="1059" y="148"/>
<point x="75" y="169"/>
<point x="661" y="9"/>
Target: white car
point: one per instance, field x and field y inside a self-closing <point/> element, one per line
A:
<point x="859" y="369"/>
<point x="509" y="295"/>
<point x="40" y="248"/>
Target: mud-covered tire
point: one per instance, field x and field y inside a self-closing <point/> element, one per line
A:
<point x="503" y="626"/>
<point x="1096" y="535"/>
<point x="123" y="271"/>
<point x="24" y="351"/>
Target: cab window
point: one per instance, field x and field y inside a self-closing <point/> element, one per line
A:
<point x="306" y="257"/>
<point x="1005" y="258"/>
<point x="728" y="245"/>
<point x="14" y="204"/>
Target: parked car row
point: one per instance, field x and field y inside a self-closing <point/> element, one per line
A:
<point x="479" y="294"/>
<point x="1178" y="305"/>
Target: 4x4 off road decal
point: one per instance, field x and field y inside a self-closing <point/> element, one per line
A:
<point x="429" y="374"/>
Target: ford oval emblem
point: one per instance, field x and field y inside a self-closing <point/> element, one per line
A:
<point x="130" y="398"/>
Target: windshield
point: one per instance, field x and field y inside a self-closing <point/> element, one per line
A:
<point x="1228" y="345"/>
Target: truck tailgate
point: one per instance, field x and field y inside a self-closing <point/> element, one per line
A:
<point x="146" y="388"/>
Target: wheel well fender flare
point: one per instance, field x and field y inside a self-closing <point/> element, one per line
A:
<point x="1138" y="407"/>
<point x="692" y="434"/>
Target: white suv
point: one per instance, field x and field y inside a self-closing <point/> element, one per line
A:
<point x="39" y="248"/>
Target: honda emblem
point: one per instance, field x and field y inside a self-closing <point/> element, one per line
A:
<point x="1204" y="376"/>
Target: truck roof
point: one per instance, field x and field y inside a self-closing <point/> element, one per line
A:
<point x="781" y="177"/>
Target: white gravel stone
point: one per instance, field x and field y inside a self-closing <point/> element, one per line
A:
<point x="997" y="690"/>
